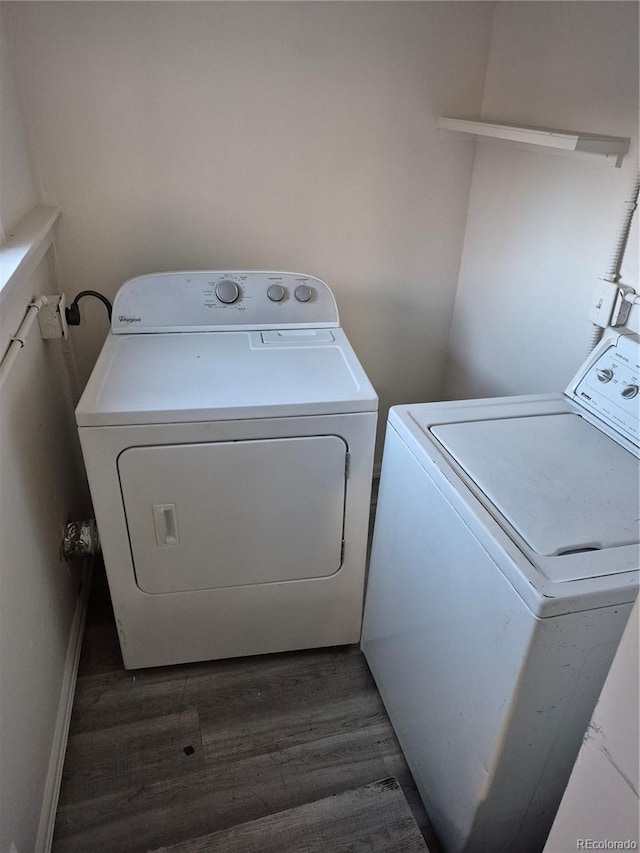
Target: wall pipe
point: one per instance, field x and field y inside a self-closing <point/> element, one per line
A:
<point x="80" y="539"/>
<point x="17" y="340"/>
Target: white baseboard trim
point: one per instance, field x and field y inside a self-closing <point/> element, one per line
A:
<point x="56" y="761"/>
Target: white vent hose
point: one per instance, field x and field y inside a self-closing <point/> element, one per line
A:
<point x="619" y="246"/>
<point x="594" y="337"/>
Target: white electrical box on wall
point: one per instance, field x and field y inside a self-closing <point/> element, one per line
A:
<point x="52" y="319"/>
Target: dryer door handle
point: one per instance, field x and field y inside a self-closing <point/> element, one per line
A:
<point x="166" y="524"/>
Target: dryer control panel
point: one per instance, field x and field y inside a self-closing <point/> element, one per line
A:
<point x="608" y="384"/>
<point x="221" y="300"/>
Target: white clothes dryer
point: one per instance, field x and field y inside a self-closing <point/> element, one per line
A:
<point x="228" y="434"/>
<point x="504" y="566"/>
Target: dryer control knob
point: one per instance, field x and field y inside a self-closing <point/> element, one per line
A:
<point x="276" y="292"/>
<point x="604" y="374"/>
<point x="303" y="293"/>
<point x="227" y="291"/>
<point x="629" y="392"/>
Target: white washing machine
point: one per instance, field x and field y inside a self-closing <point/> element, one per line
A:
<point x="228" y="435"/>
<point x="504" y="566"/>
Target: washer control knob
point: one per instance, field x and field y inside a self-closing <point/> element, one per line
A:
<point x="604" y="374"/>
<point x="303" y="293"/>
<point x="276" y="292"/>
<point x="629" y="392"/>
<point x="227" y="291"/>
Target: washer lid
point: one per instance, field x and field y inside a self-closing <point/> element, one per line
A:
<point x="563" y="485"/>
<point x="203" y="376"/>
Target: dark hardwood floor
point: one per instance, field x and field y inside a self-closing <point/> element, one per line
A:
<point x="160" y="756"/>
<point x="375" y="818"/>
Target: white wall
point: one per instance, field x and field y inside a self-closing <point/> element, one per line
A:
<point x="294" y="136"/>
<point x="17" y="196"/>
<point x="540" y="227"/>
<point x="38" y="492"/>
<point x="601" y="800"/>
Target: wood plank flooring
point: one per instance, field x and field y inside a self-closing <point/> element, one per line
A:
<point x="375" y="818"/>
<point x="163" y="756"/>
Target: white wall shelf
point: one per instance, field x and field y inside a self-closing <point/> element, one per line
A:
<point x="608" y="149"/>
<point x="25" y="247"/>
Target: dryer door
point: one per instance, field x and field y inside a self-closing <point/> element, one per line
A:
<point x="222" y="514"/>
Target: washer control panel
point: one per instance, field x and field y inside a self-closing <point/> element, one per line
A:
<point x="219" y="300"/>
<point x="609" y="382"/>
